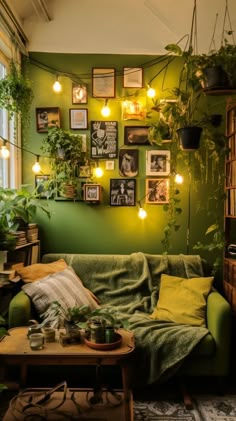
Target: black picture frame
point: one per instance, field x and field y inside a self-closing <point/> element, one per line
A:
<point x="104" y="139"/>
<point x="122" y="192"/>
<point x="128" y="162"/>
<point x="136" y="135"/>
<point x="47" y="117"/>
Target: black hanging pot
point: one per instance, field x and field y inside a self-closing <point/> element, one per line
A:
<point x="215" y="77"/>
<point x="190" y="137"/>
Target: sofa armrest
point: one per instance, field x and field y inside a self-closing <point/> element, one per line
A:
<point x="19" y="310"/>
<point x="219" y="321"/>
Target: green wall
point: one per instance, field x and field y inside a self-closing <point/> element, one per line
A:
<point x="82" y="228"/>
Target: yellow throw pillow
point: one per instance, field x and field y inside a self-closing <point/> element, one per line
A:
<point x="183" y="300"/>
<point x="40" y="270"/>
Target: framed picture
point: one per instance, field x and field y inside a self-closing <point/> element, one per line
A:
<point x="46" y="118"/>
<point x="103" y="82"/>
<point x="84" y="171"/>
<point x="133" y="77"/>
<point x="157" y="190"/>
<point x="78" y="118"/>
<point x="157" y="162"/>
<point x="133" y="110"/>
<point x="40" y="181"/>
<point x="122" y="192"/>
<point x="110" y="165"/>
<point x="104" y="139"/>
<point x="92" y="192"/>
<point x="79" y="94"/>
<point x="128" y="162"/>
<point x="136" y="135"/>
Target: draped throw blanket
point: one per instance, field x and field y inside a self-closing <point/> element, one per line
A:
<point x="130" y="285"/>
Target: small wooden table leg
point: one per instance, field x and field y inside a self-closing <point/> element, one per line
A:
<point x="23" y="374"/>
<point x="128" y="401"/>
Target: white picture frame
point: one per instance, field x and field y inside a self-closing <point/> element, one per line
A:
<point x="158" y="162"/>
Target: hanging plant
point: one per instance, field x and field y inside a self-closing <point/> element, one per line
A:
<point x="16" y="94"/>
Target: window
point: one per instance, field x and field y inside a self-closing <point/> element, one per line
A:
<point x="9" y="168"/>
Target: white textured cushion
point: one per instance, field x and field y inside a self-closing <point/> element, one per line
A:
<point x="64" y="287"/>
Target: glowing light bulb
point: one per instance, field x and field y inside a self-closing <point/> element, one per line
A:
<point x="98" y="172"/>
<point x="142" y="214"/>
<point x="4" y="152"/>
<point x="151" y="92"/>
<point x="57" y="86"/>
<point x="36" y="168"/>
<point x="105" y="111"/>
<point x="179" y="179"/>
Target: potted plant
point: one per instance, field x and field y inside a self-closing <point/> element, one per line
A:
<point x="57" y="315"/>
<point x="16" y="93"/>
<point x="66" y="155"/>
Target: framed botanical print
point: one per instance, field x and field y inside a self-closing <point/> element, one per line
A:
<point x="157" y="190"/>
<point x="103" y="82"/>
<point x="157" y="162"/>
<point x="122" y="192"/>
<point x="133" y="77"/>
<point x="78" y="118"/>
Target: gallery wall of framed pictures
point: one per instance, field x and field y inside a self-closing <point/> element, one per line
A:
<point x="121" y="145"/>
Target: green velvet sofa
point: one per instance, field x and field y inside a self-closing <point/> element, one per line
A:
<point x="136" y="278"/>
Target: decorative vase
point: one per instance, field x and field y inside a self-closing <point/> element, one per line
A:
<point x="72" y="330"/>
<point x="190" y="137"/>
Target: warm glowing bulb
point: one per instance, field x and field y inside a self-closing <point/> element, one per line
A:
<point x="36" y="167"/>
<point x="142" y="213"/>
<point x="57" y="86"/>
<point x="179" y="179"/>
<point x="98" y="172"/>
<point x="4" y="152"/>
<point x="105" y="111"/>
<point x="151" y="92"/>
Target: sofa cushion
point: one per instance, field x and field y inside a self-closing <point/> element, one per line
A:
<point x="40" y="270"/>
<point x="183" y="300"/>
<point x="64" y="287"/>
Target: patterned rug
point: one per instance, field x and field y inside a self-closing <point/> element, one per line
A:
<point x="205" y="408"/>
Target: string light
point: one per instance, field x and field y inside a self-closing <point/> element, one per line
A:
<point x="105" y="111"/>
<point x="151" y="92"/>
<point x="4" y="152"/>
<point x="36" y="168"/>
<point x="98" y="171"/>
<point x="142" y="214"/>
<point x="179" y="179"/>
<point x="57" y="86"/>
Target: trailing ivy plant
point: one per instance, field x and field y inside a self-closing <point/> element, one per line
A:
<point x="173" y="211"/>
<point x="16" y="94"/>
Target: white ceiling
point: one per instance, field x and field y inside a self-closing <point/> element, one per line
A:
<point x="118" y="27"/>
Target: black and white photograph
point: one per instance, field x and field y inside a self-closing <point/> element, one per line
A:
<point x="92" y="192"/>
<point x="136" y="135"/>
<point x="122" y="192"/>
<point x="79" y="94"/>
<point x="157" y="190"/>
<point x="157" y="162"/>
<point x="128" y="162"/>
<point x="104" y="139"/>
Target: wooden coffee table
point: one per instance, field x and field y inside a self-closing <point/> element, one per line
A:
<point x="15" y="350"/>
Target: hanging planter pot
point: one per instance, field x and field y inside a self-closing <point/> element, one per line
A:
<point x="215" y="78"/>
<point x="189" y="137"/>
